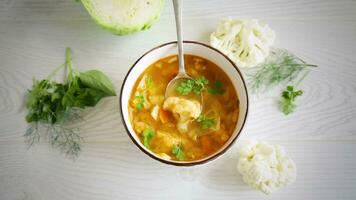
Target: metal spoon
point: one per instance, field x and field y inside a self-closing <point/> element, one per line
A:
<point x="182" y="75"/>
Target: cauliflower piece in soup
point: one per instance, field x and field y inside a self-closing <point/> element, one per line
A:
<point x="184" y="111"/>
<point x="265" y="167"/>
<point x="154" y="112"/>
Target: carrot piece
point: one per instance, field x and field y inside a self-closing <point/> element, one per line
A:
<point x="206" y="143"/>
<point x="164" y="116"/>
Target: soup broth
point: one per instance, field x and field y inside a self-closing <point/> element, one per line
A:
<point x="161" y="130"/>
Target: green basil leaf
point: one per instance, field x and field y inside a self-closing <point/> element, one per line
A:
<point x="92" y="96"/>
<point x="97" y="80"/>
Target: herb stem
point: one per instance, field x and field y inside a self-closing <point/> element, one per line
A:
<point x="69" y="64"/>
<point x="55" y="71"/>
<point x="307" y="65"/>
<point x="304" y="65"/>
<point x="311" y="65"/>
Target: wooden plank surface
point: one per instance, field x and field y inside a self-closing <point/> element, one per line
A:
<point x="320" y="136"/>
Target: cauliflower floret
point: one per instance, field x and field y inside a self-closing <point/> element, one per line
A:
<point x="184" y="110"/>
<point x="265" y="167"/>
<point x="246" y="42"/>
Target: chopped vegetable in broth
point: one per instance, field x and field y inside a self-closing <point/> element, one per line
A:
<point x="179" y="128"/>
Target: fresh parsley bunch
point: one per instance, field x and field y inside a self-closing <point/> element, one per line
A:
<point x="52" y="105"/>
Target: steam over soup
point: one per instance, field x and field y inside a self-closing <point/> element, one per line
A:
<point x="179" y="127"/>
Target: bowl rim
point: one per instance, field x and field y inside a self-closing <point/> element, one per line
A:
<point x="188" y="163"/>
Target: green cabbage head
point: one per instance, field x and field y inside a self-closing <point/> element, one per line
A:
<point x="123" y="17"/>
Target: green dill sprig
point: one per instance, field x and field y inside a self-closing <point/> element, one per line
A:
<point x="280" y="67"/>
<point x="67" y="140"/>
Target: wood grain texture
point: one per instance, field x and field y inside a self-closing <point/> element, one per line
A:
<point x="320" y="136"/>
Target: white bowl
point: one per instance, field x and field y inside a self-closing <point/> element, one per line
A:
<point x="195" y="48"/>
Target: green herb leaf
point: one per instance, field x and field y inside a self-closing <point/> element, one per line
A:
<point x="195" y="85"/>
<point x="200" y="85"/>
<point x="217" y="89"/>
<point x="43" y="100"/>
<point x="55" y="96"/>
<point x="148" y="134"/>
<point x="205" y="122"/>
<point x="185" y="87"/>
<point x="97" y="80"/>
<point x="87" y="97"/>
<point x="139" y="102"/>
<point x="287" y="103"/>
<point x="177" y="150"/>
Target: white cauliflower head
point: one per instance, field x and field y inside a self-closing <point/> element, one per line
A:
<point x="246" y="42"/>
<point x="183" y="109"/>
<point x="265" y="167"/>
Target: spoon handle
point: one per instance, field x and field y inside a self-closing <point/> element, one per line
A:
<point x="178" y="16"/>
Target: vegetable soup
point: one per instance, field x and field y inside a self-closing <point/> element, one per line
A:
<point x="179" y="127"/>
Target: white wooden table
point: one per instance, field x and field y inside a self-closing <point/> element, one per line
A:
<point x="320" y="136"/>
